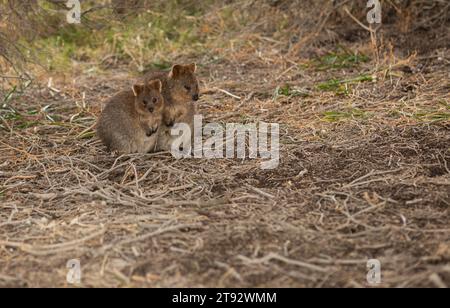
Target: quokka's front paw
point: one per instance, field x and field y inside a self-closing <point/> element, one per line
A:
<point x="152" y="130"/>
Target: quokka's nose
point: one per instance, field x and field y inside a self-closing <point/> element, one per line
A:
<point x="196" y="97"/>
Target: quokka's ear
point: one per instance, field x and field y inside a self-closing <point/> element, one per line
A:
<point x="192" y="68"/>
<point x="156" y="84"/>
<point x="138" y="89"/>
<point x="177" y="71"/>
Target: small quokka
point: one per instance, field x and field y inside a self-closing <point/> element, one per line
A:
<point x="180" y="92"/>
<point x="131" y="119"/>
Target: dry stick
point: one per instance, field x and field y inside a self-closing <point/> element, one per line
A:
<point x="19" y="177"/>
<point x="132" y="158"/>
<point x="34" y="157"/>
<point x="6" y="124"/>
<point x="14" y="223"/>
<point x="246" y="100"/>
<point x="227" y="116"/>
<point x="437" y="281"/>
<point x="357" y="21"/>
<point x="87" y="163"/>
<point x="445" y="163"/>
<point x="424" y="231"/>
<point x="136" y="178"/>
<point x="274" y="256"/>
<point x="230" y="271"/>
<point x="357" y="182"/>
<point x="51" y="249"/>
<point x="352" y="219"/>
<point x="443" y="11"/>
<point x="344" y="262"/>
<point x="228" y="93"/>
<point x="13" y="77"/>
<point x="366" y="182"/>
<point x="87" y="130"/>
<point x="18" y="150"/>
<point x="374" y="39"/>
<point x="373" y="33"/>
<point x="149" y="235"/>
<point x="9" y="278"/>
<point x="45" y="172"/>
<point x="286" y="71"/>
<point x="119" y="275"/>
<point x="260" y="192"/>
<point x="138" y="181"/>
<point x="114" y="168"/>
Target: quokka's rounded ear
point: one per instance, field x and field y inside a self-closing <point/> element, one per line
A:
<point x="138" y="89"/>
<point x="177" y="71"/>
<point x="156" y="84"/>
<point x="192" y="68"/>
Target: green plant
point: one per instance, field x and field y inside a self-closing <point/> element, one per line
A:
<point x="342" y="86"/>
<point x="433" y="116"/>
<point x="289" y="91"/>
<point x="336" y="116"/>
<point x="339" y="60"/>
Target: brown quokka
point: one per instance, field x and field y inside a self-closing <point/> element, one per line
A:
<point x="180" y="91"/>
<point x="131" y="119"/>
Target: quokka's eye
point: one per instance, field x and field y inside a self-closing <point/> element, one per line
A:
<point x="155" y="100"/>
<point x="188" y="88"/>
<point x="145" y="102"/>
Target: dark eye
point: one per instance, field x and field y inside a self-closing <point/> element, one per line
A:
<point x="145" y="102"/>
<point x="188" y="88"/>
<point x="155" y="100"/>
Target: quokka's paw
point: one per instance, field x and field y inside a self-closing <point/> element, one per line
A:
<point x="152" y="131"/>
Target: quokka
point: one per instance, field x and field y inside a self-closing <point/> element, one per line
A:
<point x="180" y="89"/>
<point x="131" y="119"/>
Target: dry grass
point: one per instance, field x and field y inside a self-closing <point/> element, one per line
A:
<point x="365" y="173"/>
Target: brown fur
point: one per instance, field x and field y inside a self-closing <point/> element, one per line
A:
<point x="180" y="106"/>
<point x="131" y="119"/>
